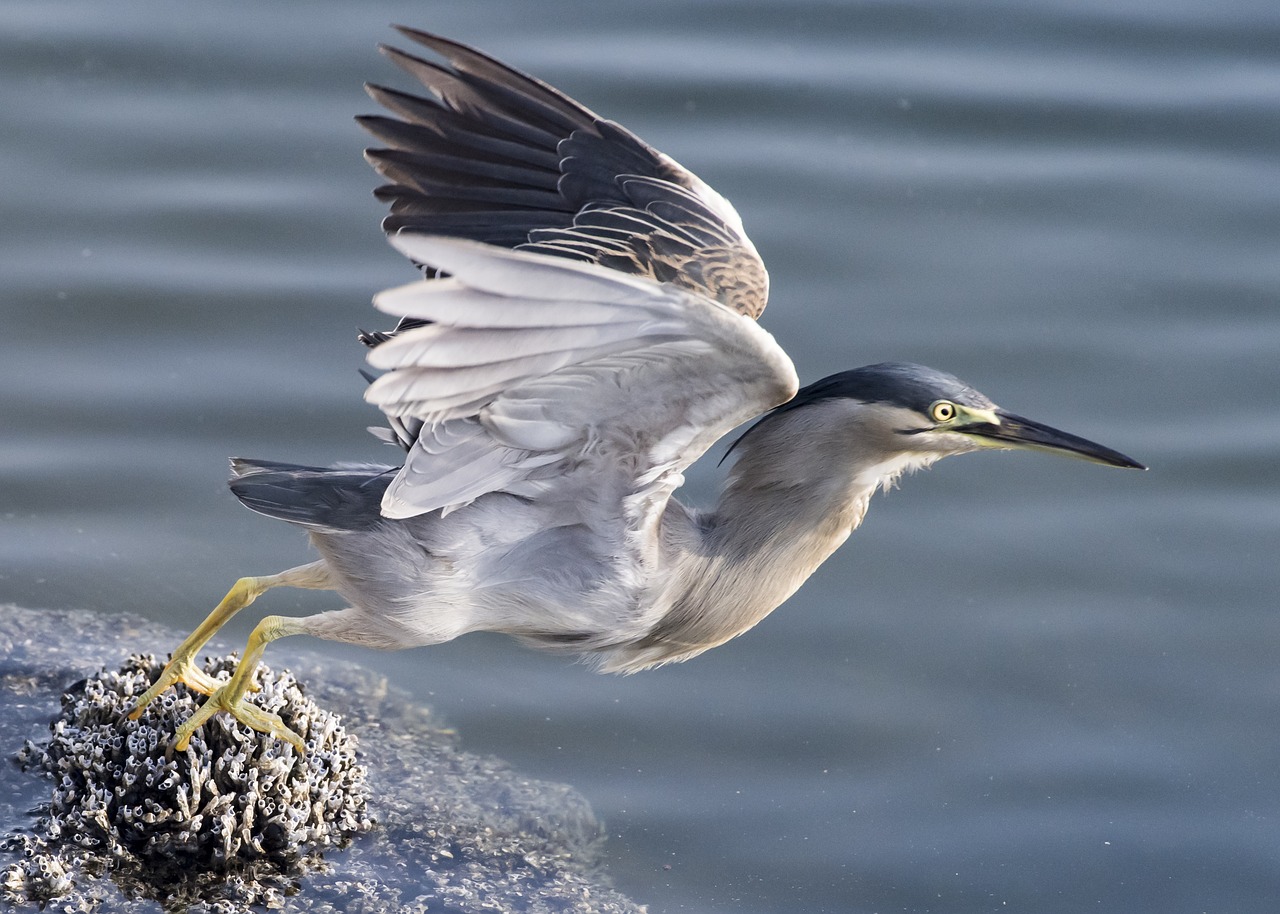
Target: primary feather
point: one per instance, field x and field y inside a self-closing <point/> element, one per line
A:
<point x="497" y="156"/>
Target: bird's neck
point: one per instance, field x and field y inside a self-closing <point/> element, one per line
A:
<point x="779" y="517"/>
<point x="775" y="530"/>
<point x="801" y="485"/>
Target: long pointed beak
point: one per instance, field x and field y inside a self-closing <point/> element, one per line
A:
<point x="1017" y="432"/>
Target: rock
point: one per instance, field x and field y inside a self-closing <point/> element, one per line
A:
<point x="384" y="813"/>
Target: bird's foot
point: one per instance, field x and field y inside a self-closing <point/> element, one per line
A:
<point x="230" y="697"/>
<point x="180" y="669"/>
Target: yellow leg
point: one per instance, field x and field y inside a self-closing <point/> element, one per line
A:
<point x="182" y="665"/>
<point x="230" y="697"/>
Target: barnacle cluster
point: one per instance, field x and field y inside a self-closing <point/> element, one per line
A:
<point x="454" y="832"/>
<point x="234" y="803"/>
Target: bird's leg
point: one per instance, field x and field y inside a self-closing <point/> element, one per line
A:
<point x="230" y="697"/>
<point x="182" y="666"/>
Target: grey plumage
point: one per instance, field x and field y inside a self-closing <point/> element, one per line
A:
<point x="586" y="332"/>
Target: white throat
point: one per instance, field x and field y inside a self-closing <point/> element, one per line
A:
<point x="884" y="475"/>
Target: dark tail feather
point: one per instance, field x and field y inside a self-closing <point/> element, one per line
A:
<point x="328" y="498"/>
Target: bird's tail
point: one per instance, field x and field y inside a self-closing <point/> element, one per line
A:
<point x="328" y="498"/>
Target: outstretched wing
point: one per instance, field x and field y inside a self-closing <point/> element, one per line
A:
<point x="500" y="157"/>
<point x="556" y="380"/>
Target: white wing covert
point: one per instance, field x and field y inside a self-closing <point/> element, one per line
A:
<point x="537" y="373"/>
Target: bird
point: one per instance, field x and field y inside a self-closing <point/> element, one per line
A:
<point x="583" y="329"/>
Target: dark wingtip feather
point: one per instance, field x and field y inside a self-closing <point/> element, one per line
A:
<point x="440" y="44"/>
<point x="401" y="59"/>
<point x="493" y="154"/>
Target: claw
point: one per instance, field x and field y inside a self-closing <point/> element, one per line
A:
<point x="226" y="699"/>
<point x="180" y="669"/>
<point x="230" y="696"/>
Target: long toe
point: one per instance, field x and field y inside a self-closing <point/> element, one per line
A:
<point x="180" y="669"/>
<point x="250" y="715"/>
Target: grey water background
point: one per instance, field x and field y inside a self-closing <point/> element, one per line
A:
<point x="1025" y="684"/>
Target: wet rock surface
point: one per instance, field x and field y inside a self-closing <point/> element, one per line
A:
<point x="233" y="807"/>
<point x="384" y="814"/>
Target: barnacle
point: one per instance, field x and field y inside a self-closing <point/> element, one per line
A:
<point x="232" y="801"/>
<point x="455" y="832"/>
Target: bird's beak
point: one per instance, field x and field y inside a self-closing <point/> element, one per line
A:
<point x="1010" y="431"/>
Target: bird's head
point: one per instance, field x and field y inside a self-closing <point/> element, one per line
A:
<point x="896" y="416"/>
<point x="932" y="412"/>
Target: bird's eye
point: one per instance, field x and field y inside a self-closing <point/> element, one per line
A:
<point x="942" y="411"/>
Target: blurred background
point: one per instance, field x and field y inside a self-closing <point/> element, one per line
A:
<point x="1025" y="684"/>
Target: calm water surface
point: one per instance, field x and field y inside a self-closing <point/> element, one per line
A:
<point x="1025" y="685"/>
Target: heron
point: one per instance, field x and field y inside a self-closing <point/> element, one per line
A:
<point x="584" y="328"/>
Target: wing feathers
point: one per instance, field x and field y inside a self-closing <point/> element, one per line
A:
<point x="520" y="272"/>
<point x="469" y="60"/>
<point x="397" y="390"/>
<point x="474" y="466"/>
<point x="456" y="129"/>
<point x="497" y="156"/>
<point x="464" y="97"/>
<point x="539" y="374"/>
<point x="440" y="346"/>
<point x="448" y="302"/>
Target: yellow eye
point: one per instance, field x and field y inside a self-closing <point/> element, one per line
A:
<point x="943" y="411"/>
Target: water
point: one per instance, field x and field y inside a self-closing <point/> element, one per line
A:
<point x="1025" y="684"/>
